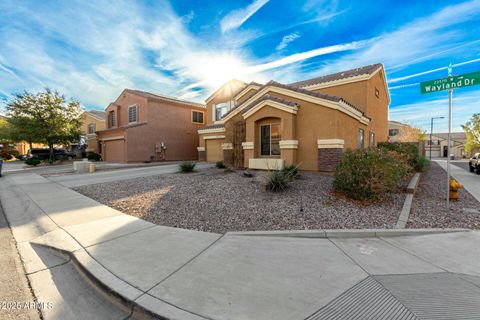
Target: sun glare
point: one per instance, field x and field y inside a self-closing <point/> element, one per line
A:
<point x="217" y="69"/>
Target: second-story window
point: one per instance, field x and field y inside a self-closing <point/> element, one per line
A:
<point x="197" y="117"/>
<point x="113" y="119"/>
<point x="91" y="128"/>
<point x="220" y="110"/>
<point x="132" y="114"/>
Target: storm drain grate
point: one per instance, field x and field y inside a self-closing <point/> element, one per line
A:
<point x="367" y="300"/>
<point x="429" y="296"/>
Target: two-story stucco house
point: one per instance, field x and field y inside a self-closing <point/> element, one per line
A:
<point x="142" y="126"/>
<point x="92" y="121"/>
<point x="308" y="123"/>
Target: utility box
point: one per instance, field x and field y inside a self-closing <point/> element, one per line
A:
<point x="84" y="166"/>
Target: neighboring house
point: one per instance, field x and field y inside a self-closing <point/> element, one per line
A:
<point x="21" y="147"/>
<point x="92" y="121"/>
<point x="142" y="126"/>
<point x="308" y="123"/>
<point x="439" y="145"/>
<point x="402" y="132"/>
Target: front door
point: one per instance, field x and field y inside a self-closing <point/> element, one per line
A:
<point x="445" y="151"/>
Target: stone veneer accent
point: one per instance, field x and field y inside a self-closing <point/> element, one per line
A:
<point x="228" y="157"/>
<point x="329" y="158"/>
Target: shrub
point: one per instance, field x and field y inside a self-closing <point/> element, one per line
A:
<point x="370" y="174"/>
<point x="187" y="166"/>
<point x="94" y="156"/>
<point x="409" y="150"/>
<point x="220" y="165"/>
<point x="277" y="181"/>
<point x="291" y="170"/>
<point x="5" y="154"/>
<point x="33" y="161"/>
<point x="422" y="164"/>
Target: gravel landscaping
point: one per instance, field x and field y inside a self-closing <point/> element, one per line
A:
<point x="217" y="201"/>
<point x="429" y="204"/>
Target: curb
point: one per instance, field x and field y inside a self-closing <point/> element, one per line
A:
<point x="407" y="205"/>
<point x="344" y="233"/>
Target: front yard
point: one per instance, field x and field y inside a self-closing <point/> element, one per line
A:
<point x="217" y="201"/>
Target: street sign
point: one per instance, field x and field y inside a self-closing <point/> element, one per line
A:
<point x="466" y="80"/>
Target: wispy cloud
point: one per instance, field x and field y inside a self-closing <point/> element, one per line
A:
<point x="286" y="40"/>
<point x="432" y="71"/>
<point x="237" y="17"/>
<point x="309" y="54"/>
<point x="418" y="38"/>
<point x="419" y="113"/>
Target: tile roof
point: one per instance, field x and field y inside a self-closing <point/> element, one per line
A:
<point x="268" y="97"/>
<point x="339" y="75"/>
<point x="299" y="90"/>
<point x="153" y="96"/>
<point x="453" y="135"/>
<point x="98" y="113"/>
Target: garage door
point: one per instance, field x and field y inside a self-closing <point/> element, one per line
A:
<point x="214" y="150"/>
<point x="114" y="151"/>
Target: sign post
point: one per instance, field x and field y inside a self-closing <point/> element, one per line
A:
<point x="450" y="83"/>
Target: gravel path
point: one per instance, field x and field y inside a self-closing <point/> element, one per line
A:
<point x="215" y="201"/>
<point x="429" y="207"/>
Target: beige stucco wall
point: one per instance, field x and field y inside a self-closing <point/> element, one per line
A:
<point x="91" y="139"/>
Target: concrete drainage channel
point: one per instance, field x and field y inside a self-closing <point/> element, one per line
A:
<point x="407" y="205"/>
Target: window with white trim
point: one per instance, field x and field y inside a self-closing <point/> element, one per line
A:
<point x="197" y="117"/>
<point x="132" y="114"/>
<point x="112" y="119"/>
<point x="220" y="110"/>
<point x="372" y="140"/>
<point x="91" y="128"/>
<point x="270" y="140"/>
<point x="361" y="139"/>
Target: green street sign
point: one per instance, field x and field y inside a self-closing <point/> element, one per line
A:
<point x="465" y="80"/>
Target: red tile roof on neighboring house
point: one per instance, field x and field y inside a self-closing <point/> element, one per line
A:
<point x="153" y="96"/>
<point x="131" y="125"/>
<point x="370" y="69"/>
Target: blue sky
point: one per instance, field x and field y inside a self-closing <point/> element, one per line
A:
<point x="92" y="50"/>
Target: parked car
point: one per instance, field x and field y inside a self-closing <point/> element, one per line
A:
<point x="474" y="163"/>
<point x="44" y="154"/>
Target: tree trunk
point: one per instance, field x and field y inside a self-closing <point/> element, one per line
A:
<point x="30" y="144"/>
<point x="52" y="155"/>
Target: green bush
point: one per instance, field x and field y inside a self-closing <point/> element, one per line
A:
<point x="370" y="174"/>
<point x="410" y="151"/>
<point x="93" y="156"/>
<point x="187" y="166"/>
<point x="291" y="170"/>
<point x="220" y="165"/>
<point x="33" y="161"/>
<point x="422" y="164"/>
<point x="277" y="181"/>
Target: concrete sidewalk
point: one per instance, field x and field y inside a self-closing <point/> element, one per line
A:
<point x="148" y="270"/>
<point x="470" y="181"/>
<point x="77" y="180"/>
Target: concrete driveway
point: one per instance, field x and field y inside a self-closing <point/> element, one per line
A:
<point x="146" y="269"/>
<point x="76" y="180"/>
